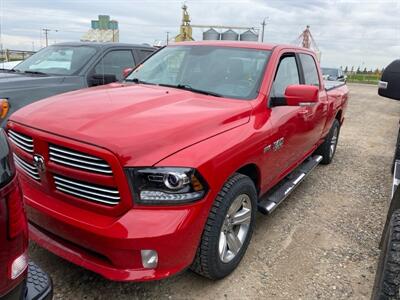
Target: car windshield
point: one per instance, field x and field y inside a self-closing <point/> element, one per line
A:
<point x="57" y="60"/>
<point x="330" y="72"/>
<point x="222" y="71"/>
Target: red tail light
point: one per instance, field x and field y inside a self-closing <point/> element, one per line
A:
<point x="16" y="214"/>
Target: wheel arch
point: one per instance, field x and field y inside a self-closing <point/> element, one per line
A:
<point x="253" y="172"/>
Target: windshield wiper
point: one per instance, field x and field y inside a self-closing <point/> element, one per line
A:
<point x="8" y="70"/>
<point x="35" y="72"/>
<point x="137" y="80"/>
<point x="189" y="88"/>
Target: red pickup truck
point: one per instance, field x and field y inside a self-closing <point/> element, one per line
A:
<point x="19" y="279"/>
<point x="142" y="179"/>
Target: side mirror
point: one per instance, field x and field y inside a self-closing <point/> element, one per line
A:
<point x="389" y="85"/>
<point x="100" y="79"/>
<point x="126" y="72"/>
<point x="296" y="95"/>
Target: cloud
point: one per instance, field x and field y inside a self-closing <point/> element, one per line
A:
<point x="348" y="32"/>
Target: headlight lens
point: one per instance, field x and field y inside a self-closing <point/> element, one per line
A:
<point x="166" y="185"/>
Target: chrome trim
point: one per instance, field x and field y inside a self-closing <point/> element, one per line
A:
<point x="86" y="186"/>
<point x="29" y="169"/>
<point x="20" y="142"/>
<point x="79" y="160"/>
<point x="80" y="166"/>
<point x="74" y="153"/>
<point x="86" y="197"/>
<point x="21" y="136"/>
<point x="87" y="191"/>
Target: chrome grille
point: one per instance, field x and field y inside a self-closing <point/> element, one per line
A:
<point x="28" y="168"/>
<point x="88" y="191"/>
<point x="22" y="141"/>
<point x="78" y="160"/>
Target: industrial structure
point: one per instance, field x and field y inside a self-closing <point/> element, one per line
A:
<point x="102" y="30"/>
<point x="306" y="40"/>
<point x="186" y="31"/>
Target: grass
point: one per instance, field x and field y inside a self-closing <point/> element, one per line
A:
<point x="364" y="78"/>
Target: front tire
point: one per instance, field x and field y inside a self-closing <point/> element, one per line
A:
<point x="228" y="230"/>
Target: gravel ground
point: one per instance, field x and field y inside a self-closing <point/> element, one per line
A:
<point x="322" y="243"/>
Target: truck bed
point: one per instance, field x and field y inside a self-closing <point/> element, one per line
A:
<point x="330" y="85"/>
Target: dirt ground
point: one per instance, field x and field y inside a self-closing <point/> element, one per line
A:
<point x="322" y="243"/>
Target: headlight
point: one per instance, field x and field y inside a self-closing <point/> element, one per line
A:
<point x="4" y="107"/>
<point x="166" y="185"/>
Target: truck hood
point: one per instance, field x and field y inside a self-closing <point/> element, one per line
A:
<point x="17" y="81"/>
<point x="141" y="124"/>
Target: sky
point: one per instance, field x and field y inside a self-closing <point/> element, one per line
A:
<point x="363" y="34"/>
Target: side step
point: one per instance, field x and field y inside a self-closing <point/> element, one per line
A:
<point x="282" y="190"/>
<point x="396" y="176"/>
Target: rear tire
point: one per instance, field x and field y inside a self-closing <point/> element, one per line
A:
<point x="228" y="230"/>
<point x="328" y="148"/>
<point x="387" y="279"/>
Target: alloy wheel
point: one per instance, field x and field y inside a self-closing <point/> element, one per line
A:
<point x="235" y="228"/>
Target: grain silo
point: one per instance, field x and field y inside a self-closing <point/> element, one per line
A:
<point x="211" y="34"/>
<point x="230" y="35"/>
<point x="249" y="36"/>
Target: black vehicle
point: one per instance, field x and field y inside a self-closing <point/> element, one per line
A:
<point x="387" y="279"/>
<point x="334" y="74"/>
<point x="65" y="67"/>
<point x="19" y="278"/>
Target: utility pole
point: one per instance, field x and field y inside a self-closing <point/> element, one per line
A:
<point x="46" y="34"/>
<point x="167" y="37"/>
<point x="263" y="24"/>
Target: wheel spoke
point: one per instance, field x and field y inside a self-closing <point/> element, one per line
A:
<point x="237" y="203"/>
<point x="242" y="216"/>
<point x="234" y="243"/>
<point x="223" y="246"/>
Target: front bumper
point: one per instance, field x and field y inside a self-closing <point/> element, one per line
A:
<point x="112" y="246"/>
<point x="37" y="286"/>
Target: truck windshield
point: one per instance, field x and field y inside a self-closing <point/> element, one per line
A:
<point x="57" y="60"/>
<point x="224" y="71"/>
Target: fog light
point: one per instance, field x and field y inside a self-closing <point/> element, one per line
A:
<point x="149" y="259"/>
<point x="19" y="265"/>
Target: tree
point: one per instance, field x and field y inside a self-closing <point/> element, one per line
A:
<point x="346" y="70"/>
<point x="358" y="70"/>
<point x="365" y="70"/>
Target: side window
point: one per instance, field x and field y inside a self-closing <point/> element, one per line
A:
<point x="115" y="62"/>
<point x="286" y="75"/>
<point x="144" y="54"/>
<point x="310" y="69"/>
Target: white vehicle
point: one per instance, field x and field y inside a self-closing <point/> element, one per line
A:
<point x="9" y="64"/>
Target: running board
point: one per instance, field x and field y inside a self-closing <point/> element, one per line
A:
<point x="282" y="190"/>
<point x="396" y="176"/>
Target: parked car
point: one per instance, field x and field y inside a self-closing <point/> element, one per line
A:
<point x="387" y="284"/>
<point x="19" y="279"/>
<point x="141" y="179"/>
<point x="9" y="64"/>
<point x="334" y="74"/>
<point x="65" y="67"/>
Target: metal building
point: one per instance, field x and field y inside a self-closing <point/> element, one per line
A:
<point x="230" y="35"/>
<point x="249" y="35"/>
<point x="211" y="34"/>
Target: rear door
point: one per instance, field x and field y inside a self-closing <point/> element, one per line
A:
<point x="315" y="115"/>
